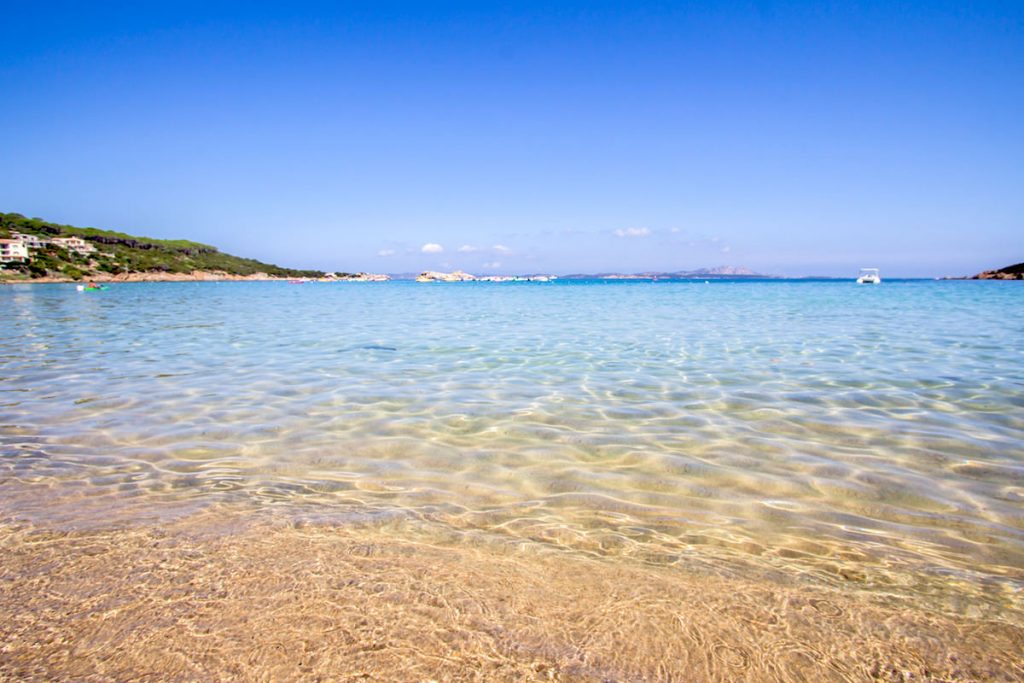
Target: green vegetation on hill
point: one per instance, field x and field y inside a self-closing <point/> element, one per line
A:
<point x="117" y="252"/>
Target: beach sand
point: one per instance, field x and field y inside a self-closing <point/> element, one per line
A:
<point x="247" y="597"/>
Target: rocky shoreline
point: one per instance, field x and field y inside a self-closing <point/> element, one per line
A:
<point x="1014" y="272"/>
<point x="194" y="276"/>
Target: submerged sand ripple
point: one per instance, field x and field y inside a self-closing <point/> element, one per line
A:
<point x="232" y="597"/>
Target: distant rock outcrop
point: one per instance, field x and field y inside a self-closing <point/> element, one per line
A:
<point x="1014" y="272"/>
<point x="435" y="276"/>
<point x="356" y="277"/>
<point x="725" y="270"/>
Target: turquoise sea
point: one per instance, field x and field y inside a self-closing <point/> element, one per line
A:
<point x="870" y="436"/>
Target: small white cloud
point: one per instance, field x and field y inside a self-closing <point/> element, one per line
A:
<point x="468" y="249"/>
<point x="386" y="252"/>
<point x="632" y="232"/>
<point x="431" y="248"/>
<point x="676" y="231"/>
<point x="501" y="249"/>
<point x="716" y="239"/>
<point x="493" y="264"/>
<point x="726" y="249"/>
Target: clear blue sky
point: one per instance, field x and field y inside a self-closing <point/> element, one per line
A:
<point x="793" y="138"/>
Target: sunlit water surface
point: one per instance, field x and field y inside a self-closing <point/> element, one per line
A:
<point x="866" y="436"/>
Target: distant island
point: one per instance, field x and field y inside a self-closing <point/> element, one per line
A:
<point x="35" y="250"/>
<point x="716" y="272"/>
<point x="730" y="272"/>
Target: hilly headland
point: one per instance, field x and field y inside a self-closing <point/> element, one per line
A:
<point x="36" y="250"/>
<point x="1014" y="272"/>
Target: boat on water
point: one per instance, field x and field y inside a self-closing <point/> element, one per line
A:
<point x="869" y="276"/>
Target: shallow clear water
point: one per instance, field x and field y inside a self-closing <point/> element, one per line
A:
<point x="860" y="435"/>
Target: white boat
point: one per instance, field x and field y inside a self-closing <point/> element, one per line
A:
<point x="869" y="276"/>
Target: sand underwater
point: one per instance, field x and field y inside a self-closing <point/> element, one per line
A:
<point x="251" y="597"/>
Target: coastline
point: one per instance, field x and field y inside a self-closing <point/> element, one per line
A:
<point x="220" y="276"/>
<point x="194" y="276"/>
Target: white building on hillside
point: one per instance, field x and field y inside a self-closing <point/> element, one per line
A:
<point x="30" y="241"/>
<point x="13" y="251"/>
<point x="75" y="244"/>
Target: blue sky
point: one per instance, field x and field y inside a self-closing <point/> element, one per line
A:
<point x="792" y="138"/>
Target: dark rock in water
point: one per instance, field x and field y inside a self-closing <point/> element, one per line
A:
<point x="1014" y="272"/>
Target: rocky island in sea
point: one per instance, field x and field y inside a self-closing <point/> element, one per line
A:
<point x="462" y="276"/>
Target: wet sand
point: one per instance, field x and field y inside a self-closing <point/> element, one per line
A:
<point x="258" y="598"/>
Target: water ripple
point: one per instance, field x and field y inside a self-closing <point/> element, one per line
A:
<point x="869" y="438"/>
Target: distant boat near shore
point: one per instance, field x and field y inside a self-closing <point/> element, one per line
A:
<point x="869" y="276"/>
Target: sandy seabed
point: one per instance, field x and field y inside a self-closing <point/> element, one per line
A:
<point x="251" y="598"/>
